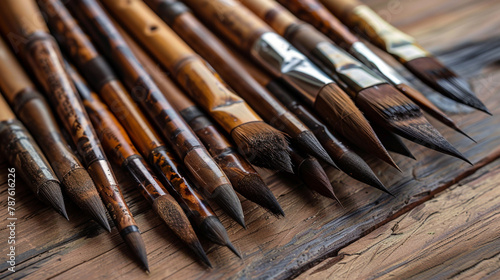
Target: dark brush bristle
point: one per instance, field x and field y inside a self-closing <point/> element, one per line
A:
<point x="213" y="229"/>
<point x="227" y="199"/>
<point x="339" y="111"/>
<point x="172" y="214"/>
<point x="263" y="145"/>
<point x="311" y="145"/>
<point x="443" y="80"/>
<point x="354" y="166"/>
<point x="81" y="189"/>
<point x="50" y="192"/>
<point x="397" y="113"/>
<point x="430" y="108"/>
<point x="392" y="142"/>
<point x="134" y="241"/>
<point x="314" y="176"/>
<point x="253" y="188"/>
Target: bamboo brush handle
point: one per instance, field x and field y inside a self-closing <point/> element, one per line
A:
<point x="313" y="12"/>
<point x="23" y="19"/>
<point x="364" y="20"/>
<point x="238" y="24"/>
<point x="198" y="79"/>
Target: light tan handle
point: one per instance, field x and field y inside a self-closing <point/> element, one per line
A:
<point x="194" y="74"/>
<point x="5" y="111"/>
<point x="21" y="18"/>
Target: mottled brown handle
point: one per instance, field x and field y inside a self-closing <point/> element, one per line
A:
<point x="21" y="19"/>
<point x="313" y="12"/>
<point x="341" y="8"/>
<point x="229" y="17"/>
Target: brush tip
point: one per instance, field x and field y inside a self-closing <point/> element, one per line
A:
<point x="134" y="240"/>
<point x="311" y="172"/>
<point x="227" y="199"/>
<point x="81" y="189"/>
<point x="213" y="229"/>
<point x="50" y="192"/>
<point x="233" y="249"/>
<point x="354" y="166"/>
<point x="196" y="247"/>
<point x="253" y="188"/>
<point x="308" y="141"/>
<point x="446" y="82"/>
<point x="263" y="145"/>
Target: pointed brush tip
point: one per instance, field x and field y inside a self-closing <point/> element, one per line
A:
<point x="227" y="199"/>
<point x="198" y="251"/>
<point x="255" y="189"/>
<point x="136" y="244"/>
<point x="231" y="247"/>
<point x="51" y="193"/>
<point x="310" y="143"/>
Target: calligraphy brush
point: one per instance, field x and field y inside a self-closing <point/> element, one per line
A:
<point x="252" y="36"/>
<point x="308" y="169"/>
<point x="95" y="69"/>
<point x="23" y="153"/>
<point x="43" y="57"/>
<point x="347" y="160"/>
<point x="120" y="149"/>
<point x="243" y="176"/>
<point x="171" y="173"/>
<point x="33" y="110"/>
<point x="404" y="48"/>
<point x="313" y="12"/>
<point x="206" y="44"/>
<point x="262" y="144"/>
<point x="381" y="102"/>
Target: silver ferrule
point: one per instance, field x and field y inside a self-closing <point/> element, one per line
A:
<point x="339" y="63"/>
<point x="282" y="59"/>
<point x="365" y="55"/>
<point x="102" y="169"/>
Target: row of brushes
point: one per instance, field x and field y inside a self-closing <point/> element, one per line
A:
<point x="186" y="116"/>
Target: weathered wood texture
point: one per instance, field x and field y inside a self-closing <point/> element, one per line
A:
<point x="314" y="228"/>
<point x="455" y="235"/>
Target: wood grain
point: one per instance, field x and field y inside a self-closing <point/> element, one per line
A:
<point x="315" y="228"/>
<point x="455" y="235"/>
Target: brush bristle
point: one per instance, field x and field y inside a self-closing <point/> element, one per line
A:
<point x="311" y="145"/>
<point x="354" y="166"/>
<point x="392" y="142"/>
<point x="263" y="145"/>
<point x="314" y="176"/>
<point x="430" y="108"/>
<point x="134" y="241"/>
<point x="81" y="189"/>
<point x="227" y="199"/>
<point x="443" y="80"/>
<point x="50" y="193"/>
<point x="253" y="188"/>
<point x="395" y="112"/>
<point x="213" y="229"/>
<point x="339" y="111"/>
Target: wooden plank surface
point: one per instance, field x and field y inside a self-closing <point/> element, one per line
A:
<point x="314" y="228"/>
<point x="454" y="235"/>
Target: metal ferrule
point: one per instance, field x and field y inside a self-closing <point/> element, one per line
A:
<point x="353" y="73"/>
<point x="282" y="59"/>
<point x="397" y="43"/>
<point x="365" y="55"/>
<point x="103" y="170"/>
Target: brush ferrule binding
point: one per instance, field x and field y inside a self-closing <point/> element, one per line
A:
<point x="353" y="73"/>
<point x="282" y="59"/>
<point x="365" y="55"/>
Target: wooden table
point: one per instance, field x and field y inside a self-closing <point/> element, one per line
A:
<point x="443" y="222"/>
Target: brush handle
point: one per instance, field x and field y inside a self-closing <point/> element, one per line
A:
<point x="21" y="151"/>
<point x="42" y="54"/>
<point x="333" y="60"/>
<point x="33" y="110"/>
<point x="195" y="75"/>
<point x="205" y="43"/>
<point x="367" y="22"/>
<point x="223" y="152"/>
<point x="313" y="12"/>
<point x="188" y="147"/>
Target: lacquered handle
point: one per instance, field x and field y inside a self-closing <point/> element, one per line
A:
<point x="22" y="18"/>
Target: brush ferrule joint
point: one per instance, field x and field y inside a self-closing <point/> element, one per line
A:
<point x="336" y="61"/>
<point x="170" y="10"/>
<point x="282" y="59"/>
<point x="365" y="55"/>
